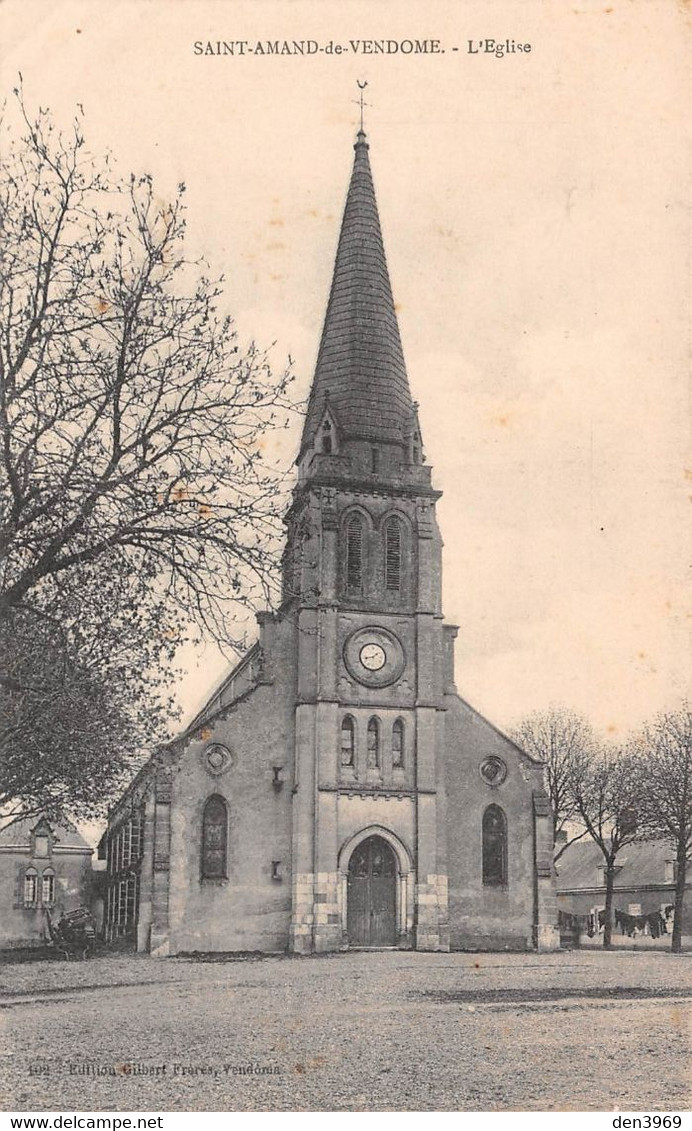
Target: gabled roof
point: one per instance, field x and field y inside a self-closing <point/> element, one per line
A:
<point x="233" y="686"/>
<point x="360" y="365"/>
<point x="640" y="864"/>
<point x="64" y="833"/>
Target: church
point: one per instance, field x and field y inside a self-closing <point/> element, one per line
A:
<point x="335" y="791"/>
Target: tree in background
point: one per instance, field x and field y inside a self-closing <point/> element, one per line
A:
<point x="664" y="749"/>
<point x="605" y="786"/>
<point x="135" y="489"/>
<point x="82" y="690"/>
<point x="561" y="739"/>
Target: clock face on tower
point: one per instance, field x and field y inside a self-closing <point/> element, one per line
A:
<point x="374" y="656"/>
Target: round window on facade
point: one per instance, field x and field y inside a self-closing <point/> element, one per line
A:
<point x="493" y="770"/>
<point x="217" y="759"/>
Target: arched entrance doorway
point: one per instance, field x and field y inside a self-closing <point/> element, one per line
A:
<point x="372" y="884"/>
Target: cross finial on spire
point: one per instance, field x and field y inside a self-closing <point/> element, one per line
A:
<point x="362" y="103"/>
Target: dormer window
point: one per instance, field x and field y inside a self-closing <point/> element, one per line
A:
<point x="327" y="437"/>
<point x="42" y="838"/>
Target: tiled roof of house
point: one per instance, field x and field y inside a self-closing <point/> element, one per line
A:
<point x="638" y="864"/>
<point x="360" y="365"/>
<point x="65" y="833"/>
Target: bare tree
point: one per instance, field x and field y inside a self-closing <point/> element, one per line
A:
<point x="135" y="488"/>
<point x="665" y="749"/>
<point x="561" y="739"/>
<point x="605" y="787"/>
<point x="132" y="426"/>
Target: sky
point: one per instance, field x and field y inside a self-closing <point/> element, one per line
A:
<point x="535" y="212"/>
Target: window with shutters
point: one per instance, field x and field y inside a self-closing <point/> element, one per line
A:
<point x="392" y="555"/>
<point x="48" y="887"/>
<point x="354" y="554"/>
<point x="398" y="744"/>
<point x="215" y="839"/>
<point x="494" y="846"/>
<point x="348" y="741"/>
<point x="374" y="744"/>
<point x="30" y="887"/>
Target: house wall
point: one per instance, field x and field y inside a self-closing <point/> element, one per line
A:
<point x="22" y="926"/>
<point x="650" y="898"/>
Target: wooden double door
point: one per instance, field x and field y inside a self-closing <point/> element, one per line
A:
<point x="372" y="884"/>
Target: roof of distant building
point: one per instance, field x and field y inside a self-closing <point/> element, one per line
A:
<point x="64" y="833"/>
<point x="638" y="865"/>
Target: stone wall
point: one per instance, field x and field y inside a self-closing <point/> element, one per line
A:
<point x="481" y="916"/>
<point x="251" y="908"/>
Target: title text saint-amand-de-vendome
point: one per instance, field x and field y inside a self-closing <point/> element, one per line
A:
<point x="498" y="48"/>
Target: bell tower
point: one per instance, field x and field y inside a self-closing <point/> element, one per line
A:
<point x="362" y="579"/>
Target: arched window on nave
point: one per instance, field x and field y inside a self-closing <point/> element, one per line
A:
<point x="215" y="839"/>
<point x="494" y="846"/>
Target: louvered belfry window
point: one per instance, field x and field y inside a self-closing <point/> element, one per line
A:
<point x="215" y="839"/>
<point x="392" y="555"/>
<point x="354" y="553"/>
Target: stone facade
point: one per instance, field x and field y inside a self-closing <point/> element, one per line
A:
<point x="336" y="791"/>
<point x="44" y="866"/>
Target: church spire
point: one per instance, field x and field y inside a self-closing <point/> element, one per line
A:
<point x="360" y="377"/>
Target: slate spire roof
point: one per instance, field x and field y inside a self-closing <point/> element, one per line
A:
<point x="360" y="371"/>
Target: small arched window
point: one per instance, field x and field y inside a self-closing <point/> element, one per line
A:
<point x="354" y="554"/>
<point x="373" y="744"/>
<point x="30" y="887"/>
<point x="48" y="887"/>
<point x="348" y="741"/>
<point x="398" y="744"/>
<point x="392" y="555"/>
<point x="215" y="839"/>
<point x="494" y="846"/>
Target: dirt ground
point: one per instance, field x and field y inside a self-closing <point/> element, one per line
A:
<point x="357" y="1031"/>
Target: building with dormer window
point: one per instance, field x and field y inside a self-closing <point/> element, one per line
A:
<point x="44" y="866"/>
